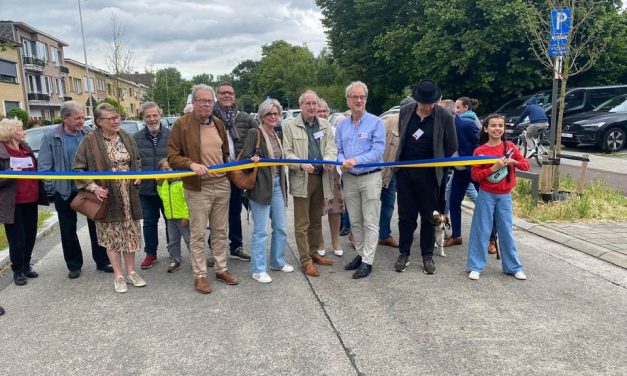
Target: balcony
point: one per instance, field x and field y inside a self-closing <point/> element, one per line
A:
<point x="66" y="98"/>
<point x="64" y="70"/>
<point x="38" y="97"/>
<point x="34" y="64"/>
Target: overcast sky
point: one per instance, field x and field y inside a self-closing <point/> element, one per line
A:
<point x="195" y="36"/>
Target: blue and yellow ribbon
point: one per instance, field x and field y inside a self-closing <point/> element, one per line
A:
<point x="239" y="165"/>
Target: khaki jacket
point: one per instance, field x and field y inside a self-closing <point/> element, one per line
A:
<point x="295" y="146"/>
<point x="391" y="146"/>
<point x="184" y="147"/>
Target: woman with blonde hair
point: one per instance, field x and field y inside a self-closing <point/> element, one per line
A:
<point x="19" y="199"/>
<point x="119" y="232"/>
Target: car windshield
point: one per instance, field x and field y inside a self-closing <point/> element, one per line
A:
<point x="616" y="104"/>
<point x="130" y="126"/>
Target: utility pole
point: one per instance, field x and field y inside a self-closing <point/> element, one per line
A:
<point x="90" y="110"/>
<point x="167" y="91"/>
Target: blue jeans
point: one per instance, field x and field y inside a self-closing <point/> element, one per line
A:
<point x="260" y="213"/>
<point x="388" y="198"/>
<point x="176" y="231"/>
<point x="471" y="193"/>
<point x="151" y="206"/>
<point x="460" y="184"/>
<point x="489" y="207"/>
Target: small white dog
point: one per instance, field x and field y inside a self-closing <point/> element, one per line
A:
<point x="441" y="223"/>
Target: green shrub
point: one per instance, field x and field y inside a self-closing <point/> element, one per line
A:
<point x="46" y="122"/>
<point x="57" y="120"/>
<point x="21" y="115"/>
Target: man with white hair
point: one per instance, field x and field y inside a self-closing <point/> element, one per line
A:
<point x="360" y="139"/>
<point x="57" y="151"/>
<point x="152" y="143"/>
<point x="198" y="140"/>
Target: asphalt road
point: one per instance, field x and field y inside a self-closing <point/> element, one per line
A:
<point x="567" y="318"/>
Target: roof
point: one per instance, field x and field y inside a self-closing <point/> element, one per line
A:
<point x="30" y="29"/>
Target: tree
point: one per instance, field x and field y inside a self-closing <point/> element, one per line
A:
<point x="170" y="90"/>
<point x="119" y="58"/>
<point x="118" y="107"/>
<point x="593" y="25"/>
<point x="20" y="114"/>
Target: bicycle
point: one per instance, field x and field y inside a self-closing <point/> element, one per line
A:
<point x="541" y="141"/>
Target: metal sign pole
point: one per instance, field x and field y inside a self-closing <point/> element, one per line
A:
<point x="554" y="101"/>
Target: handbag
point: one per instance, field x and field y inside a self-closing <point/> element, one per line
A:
<point x="86" y="202"/>
<point x="241" y="179"/>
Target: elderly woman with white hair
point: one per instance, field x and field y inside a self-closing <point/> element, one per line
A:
<point x="269" y="196"/>
<point x="19" y="199"/>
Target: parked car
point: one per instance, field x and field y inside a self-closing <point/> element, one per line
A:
<point x="168" y="121"/>
<point x="393" y="110"/>
<point x="132" y="126"/>
<point x="576" y="100"/>
<point x="606" y="130"/>
<point x="34" y="136"/>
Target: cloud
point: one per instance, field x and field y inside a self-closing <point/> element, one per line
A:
<point x="193" y="36"/>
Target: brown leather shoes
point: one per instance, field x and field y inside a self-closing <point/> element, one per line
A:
<point x="390" y="242"/>
<point x="322" y="260"/>
<point x="202" y="286"/>
<point x="453" y="241"/>
<point x="311" y="270"/>
<point x="227" y="278"/>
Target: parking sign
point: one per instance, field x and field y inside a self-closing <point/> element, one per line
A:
<point x="561" y="22"/>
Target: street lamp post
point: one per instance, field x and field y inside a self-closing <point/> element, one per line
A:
<point x="89" y="99"/>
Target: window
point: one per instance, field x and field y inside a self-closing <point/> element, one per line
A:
<point x="8" y="71"/>
<point x="601" y="95"/>
<point x="28" y="48"/>
<point x="77" y="85"/>
<point x="47" y="84"/>
<point x="54" y="55"/>
<point x="574" y="99"/>
<point x="100" y="84"/>
<point x="41" y="51"/>
<point x="8" y="106"/>
<point x="60" y="86"/>
<point x="89" y="81"/>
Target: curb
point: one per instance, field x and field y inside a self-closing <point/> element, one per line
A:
<point x="46" y="227"/>
<point x="607" y="255"/>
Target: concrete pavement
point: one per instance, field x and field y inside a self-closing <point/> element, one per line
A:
<point x="567" y="318"/>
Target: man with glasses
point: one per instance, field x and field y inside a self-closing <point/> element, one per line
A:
<point x="198" y="140"/>
<point x="237" y="124"/>
<point x="360" y="139"/>
<point x="309" y="137"/>
<point x="56" y="153"/>
<point x="152" y="144"/>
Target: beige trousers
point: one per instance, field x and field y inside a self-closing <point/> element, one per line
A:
<point x="210" y="204"/>
<point x="307" y="219"/>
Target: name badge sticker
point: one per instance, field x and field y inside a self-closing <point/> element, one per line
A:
<point x="417" y="134"/>
<point x="362" y="135"/>
<point x="318" y="135"/>
<point x="21" y="163"/>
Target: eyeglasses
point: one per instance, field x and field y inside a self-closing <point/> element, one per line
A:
<point x="272" y="114"/>
<point x="358" y="97"/>
<point x="111" y="118"/>
<point x="204" y="101"/>
<point x="227" y="93"/>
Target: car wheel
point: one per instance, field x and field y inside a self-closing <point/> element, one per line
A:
<point x="614" y="139"/>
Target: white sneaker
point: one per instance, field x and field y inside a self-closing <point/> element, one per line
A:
<point x="262" y="277"/>
<point x="473" y="275"/>
<point x="338" y="252"/>
<point x="520" y="275"/>
<point x="120" y="285"/>
<point x="287" y="268"/>
<point x="321" y="252"/>
<point x="136" y="280"/>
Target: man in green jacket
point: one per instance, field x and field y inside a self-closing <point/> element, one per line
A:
<point x="309" y="137"/>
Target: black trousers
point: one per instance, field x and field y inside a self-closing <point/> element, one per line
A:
<point x="72" y="252"/>
<point x="21" y="236"/>
<point x="418" y="194"/>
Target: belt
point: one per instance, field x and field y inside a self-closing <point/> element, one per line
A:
<point x="365" y="173"/>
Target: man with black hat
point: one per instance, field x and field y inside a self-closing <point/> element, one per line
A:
<point x="426" y="131"/>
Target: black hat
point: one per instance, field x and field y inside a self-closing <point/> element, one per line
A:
<point x="427" y="91"/>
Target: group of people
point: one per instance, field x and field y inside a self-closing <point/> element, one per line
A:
<point x="215" y="132"/>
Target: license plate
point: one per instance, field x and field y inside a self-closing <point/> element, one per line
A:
<point x="509" y="131"/>
<point x="567" y="135"/>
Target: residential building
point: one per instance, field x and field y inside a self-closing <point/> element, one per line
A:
<point x="146" y="79"/>
<point x="80" y="84"/>
<point x="43" y="73"/>
<point x="12" y="92"/>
